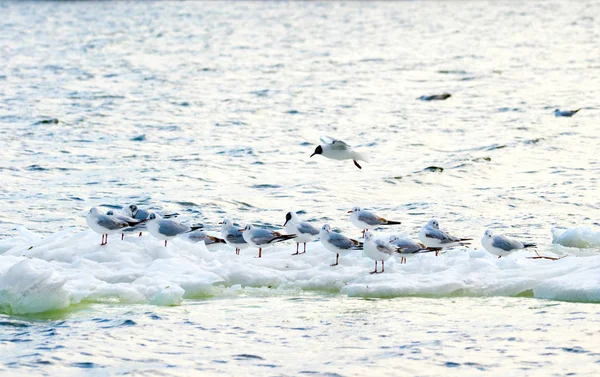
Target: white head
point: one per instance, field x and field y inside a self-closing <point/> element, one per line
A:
<point x="110" y="212"/>
<point x="393" y="238"/>
<point x="248" y="227"/>
<point x="132" y="210"/>
<point x="368" y="235"/>
<point x="433" y="224"/>
<point x="94" y="212"/>
<point x="154" y="216"/>
<point x="355" y="209"/>
<point x="488" y="234"/>
<point x="326" y="228"/>
<point x="226" y="224"/>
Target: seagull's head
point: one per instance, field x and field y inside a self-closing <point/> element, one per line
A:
<point x="393" y="238"/>
<point x="110" y="212"/>
<point x="488" y="234"/>
<point x="226" y="223"/>
<point x="94" y="211"/>
<point x="434" y="224"/>
<point x="248" y="227"/>
<point x="318" y="150"/>
<point x="289" y="216"/>
<point x="133" y="209"/>
<point x="368" y="235"/>
<point x="154" y="216"/>
<point x="355" y="209"/>
<point x="326" y="228"/>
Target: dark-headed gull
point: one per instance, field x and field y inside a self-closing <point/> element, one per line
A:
<point x="338" y="150"/>
<point x="303" y="230"/>
<point x="565" y="113"/>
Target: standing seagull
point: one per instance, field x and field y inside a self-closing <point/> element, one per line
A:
<point x="303" y="230"/>
<point x="379" y="250"/>
<point x="125" y="218"/>
<point x="233" y="236"/>
<point x="409" y="247"/>
<point x="565" y="113"/>
<point x="337" y="243"/>
<point x="165" y="229"/>
<point x="431" y="236"/>
<point x="501" y="245"/>
<point x="141" y="214"/>
<point x="105" y="224"/>
<point x="261" y="238"/>
<point x="338" y="150"/>
<point x="364" y="220"/>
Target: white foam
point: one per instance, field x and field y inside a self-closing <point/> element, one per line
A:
<point x="71" y="267"/>
<point x="581" y="237"/>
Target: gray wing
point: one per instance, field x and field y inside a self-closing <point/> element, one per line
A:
<point x="407" y="246"/>
<point x="171" y="228"/>
<point x="335" y="143"/>
<point x="262" y="236"/>
<point x="197" y="236"/>
<point x="440" y="235"/>
<point x="369" y="218"/>
<point x="341" y="241"/>
<point x="142" y="214"/>
<point x="385" y="247"/>
<point x="505" y="244"/>
<point x="305" y="227"/>
<point x="235" y="236"/>
<point x="111" y="223"/>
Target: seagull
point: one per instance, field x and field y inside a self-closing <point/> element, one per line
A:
<point x="338" y="150"/>
<point x="233" y="236"/>
<point x="133" y="211"/>
<point x="337" y="243"/>
<point x="105" y="224"/>
<point x="165" y="229"/>
<point x="261" y="238"/>
<point x="436" y="97"/>
<point x="125" y="218"/>
<point x="364" y="220"/>
<point x="409" y="247"/>
<point x="565" y="113"/>
<point x="432" y="237"/>
<point x="303" y="230"/>
<point x="199" y="235"/>
<point x="379" y="250"/>
<point x="501" y="245"/>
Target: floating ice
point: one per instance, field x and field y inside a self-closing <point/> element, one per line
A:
<point x="70" y="267"/>
<point x="581" y="237"/>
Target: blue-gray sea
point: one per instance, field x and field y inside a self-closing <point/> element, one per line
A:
<point x="212" y="109"/>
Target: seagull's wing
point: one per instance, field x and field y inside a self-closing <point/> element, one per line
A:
<point x="440" y="235"/>
<point x="262" y="236"/>
<point x="171" y="228"/>
<point x="334" y="143"/>
<point x="342" y="242"/>
<point x="235" y="236"/>
<point x="505" y="244"/>
<point x="304" y="228"/>
<point x="385" y="247"/>
<point x="111" y="223"/>
<point x="370" y="218"/>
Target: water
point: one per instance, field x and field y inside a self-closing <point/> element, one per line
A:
<point x="212" y="109"/>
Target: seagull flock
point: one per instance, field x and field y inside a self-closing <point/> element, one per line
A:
<point x="432" y="238"/>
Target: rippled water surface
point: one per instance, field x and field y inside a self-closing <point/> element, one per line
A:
<point x="212" y="109"/>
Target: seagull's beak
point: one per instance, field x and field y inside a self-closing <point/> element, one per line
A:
<point x="221" y="223"/>
<point x="349" y="211"/>
<point x="285" y="222"/>
<point x="312" y="155"/>
<point x="241" y="229"/>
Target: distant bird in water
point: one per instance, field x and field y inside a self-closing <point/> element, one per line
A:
<point x="436" y="97"/>
<point x="565" y="113"/>
<point x="338" y="150"/>
<point x="303" y="230"/>
<point x="432" y="237"/>
<point x="502" y="246"/>
<point x="364" y="220"/>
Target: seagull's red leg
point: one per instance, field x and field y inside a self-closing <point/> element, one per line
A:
<point x="304" y="248"/>
<point x="122" y="235"/>
<point x="165" y="243"/>
<point x="140" y="234"/>
<point x="297" y="245"/>
<point x="374" y="271"/>
<point x="382" y="265"/>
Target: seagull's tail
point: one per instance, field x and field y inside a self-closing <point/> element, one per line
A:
<point x="196" y="228"/>
<point x="526" y="245"/>
<point x="283" y="237"/>
<point x="393" y="222"/>
<point x="465" y="241"/>
<point x="217" y="239"/>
